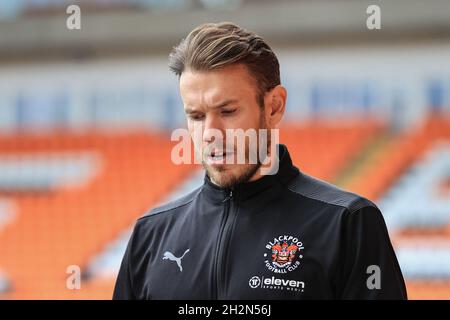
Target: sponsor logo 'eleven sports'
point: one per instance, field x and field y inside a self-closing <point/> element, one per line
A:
<point x="282" y="255"/>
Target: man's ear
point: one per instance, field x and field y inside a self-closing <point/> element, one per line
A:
<point x="275" y="103"/>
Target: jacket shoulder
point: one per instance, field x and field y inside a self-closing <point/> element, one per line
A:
<point x="327" y="193"/>
<point x="172" y="205"/>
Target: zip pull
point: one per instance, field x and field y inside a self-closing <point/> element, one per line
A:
<point x="228" y="197"/>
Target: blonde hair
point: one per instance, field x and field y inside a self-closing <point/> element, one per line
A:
<point x="214" y="45"/>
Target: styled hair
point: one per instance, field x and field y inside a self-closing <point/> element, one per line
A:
<point x="215" y="45"/>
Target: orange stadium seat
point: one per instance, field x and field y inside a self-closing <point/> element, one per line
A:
<point x="67" y="226"/>
<point x="323" y="149"/>
<point x="397" y="156"/>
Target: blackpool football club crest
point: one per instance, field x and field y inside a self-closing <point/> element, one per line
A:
<point x="283" y="254"/>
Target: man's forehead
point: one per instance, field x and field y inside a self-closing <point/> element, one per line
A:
<point x="214" y="87"/>
<point x="213" y="97"/>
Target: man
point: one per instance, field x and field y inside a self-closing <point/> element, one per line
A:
<point x="245" y="234"/>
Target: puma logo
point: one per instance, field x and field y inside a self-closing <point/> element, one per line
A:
<point x="170" y="256"/>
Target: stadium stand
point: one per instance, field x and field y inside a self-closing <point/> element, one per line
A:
<point x="397" y="155"/>
<point x="70" y="225"/>
<point x="413" y="167"/>
<point x="109" y="180"/>
<point x="66" y="226"/>
<point x="325" y="149"/>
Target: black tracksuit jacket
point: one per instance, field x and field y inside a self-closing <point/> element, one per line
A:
<point x="284" y="236"/>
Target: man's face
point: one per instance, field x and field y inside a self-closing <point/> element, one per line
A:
<point x="222" y="99"/>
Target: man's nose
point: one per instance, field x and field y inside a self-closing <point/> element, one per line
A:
<point x="212" y="130"/>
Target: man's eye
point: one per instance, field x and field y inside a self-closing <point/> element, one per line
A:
<point x="196" y="117"/>
<point x="228" y="111"/>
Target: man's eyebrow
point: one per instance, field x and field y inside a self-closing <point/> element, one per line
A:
<point x="224" y="103"/>
<point x="217" y="106"/>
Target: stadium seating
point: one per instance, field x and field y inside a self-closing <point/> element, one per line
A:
<point x="66" y="226"/>
<point x="324" y="150"/>
<point x="121" y="175"/>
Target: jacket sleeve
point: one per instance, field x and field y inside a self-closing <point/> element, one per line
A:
<point x="370" y="269"/>
<point x="124" y="284"/>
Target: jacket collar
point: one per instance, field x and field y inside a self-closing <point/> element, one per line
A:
<point x="243" y="191"/>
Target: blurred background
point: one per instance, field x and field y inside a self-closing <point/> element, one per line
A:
<point x="86" y="117"/>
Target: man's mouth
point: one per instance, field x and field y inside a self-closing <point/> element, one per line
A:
<point x="217" y="157"/>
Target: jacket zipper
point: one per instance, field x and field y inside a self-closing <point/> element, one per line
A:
<point x="219" y="246"/>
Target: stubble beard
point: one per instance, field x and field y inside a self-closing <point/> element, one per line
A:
<point x="226" y="178"/>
